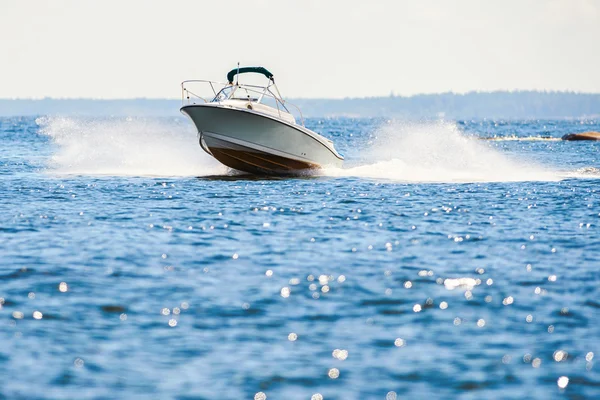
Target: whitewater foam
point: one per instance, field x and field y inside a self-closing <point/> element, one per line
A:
<point x="522" y="139"/>
<point x="402" y="152"/>
<point x="584" y="173"/>
<point x="126" y="147"/>
<point x="438" y="152"/>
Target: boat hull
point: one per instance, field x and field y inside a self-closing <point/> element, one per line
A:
<point x="259" y="144"/>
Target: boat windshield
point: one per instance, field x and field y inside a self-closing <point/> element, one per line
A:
<point x="223" y="94"/>
<point x="244" y="93"/>
<point x="236" y="92"/>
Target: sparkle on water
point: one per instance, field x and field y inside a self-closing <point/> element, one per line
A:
<point x="260" y="396"/>
<point x="340" y="354"/>
<point x="333" y="373"/>
<point x="434" y="264"/>
<point x="562" y="382"/>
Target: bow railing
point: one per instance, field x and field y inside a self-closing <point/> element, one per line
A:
<point x="196" y="90"/>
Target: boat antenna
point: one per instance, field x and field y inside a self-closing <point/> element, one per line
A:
<point x="237" y="76"/>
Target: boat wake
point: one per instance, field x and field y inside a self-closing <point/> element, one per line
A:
<point x="584" y="173"/>
<point x="126" y="147"/>
<point x="401" y="152"/>
<point x="522" y="139"/>
<point x="438" y="152"/>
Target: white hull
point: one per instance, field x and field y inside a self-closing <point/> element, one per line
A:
<point x="254" y="142"/>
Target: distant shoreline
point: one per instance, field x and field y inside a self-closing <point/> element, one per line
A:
<point x="499" y="104"/>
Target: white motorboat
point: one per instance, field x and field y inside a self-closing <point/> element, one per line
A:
<point x="250" y="128"/>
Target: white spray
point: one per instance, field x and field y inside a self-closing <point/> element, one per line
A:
<point x="437" y="152"/>
<point x="127" y="147"/>
<point x="402" y="152"/>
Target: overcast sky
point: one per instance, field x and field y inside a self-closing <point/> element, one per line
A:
<point x="315" y="48"/>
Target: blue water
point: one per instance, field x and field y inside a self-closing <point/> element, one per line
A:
<point x="434" y="265"/>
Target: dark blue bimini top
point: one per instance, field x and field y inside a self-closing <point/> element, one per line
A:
<point x="243" y="70"/>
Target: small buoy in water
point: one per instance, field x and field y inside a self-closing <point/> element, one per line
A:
<point x="582" y="136"/>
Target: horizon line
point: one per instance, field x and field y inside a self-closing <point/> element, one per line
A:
<point x="391" y="95"/>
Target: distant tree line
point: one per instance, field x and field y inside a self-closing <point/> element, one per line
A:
<point x="508" y="105"/>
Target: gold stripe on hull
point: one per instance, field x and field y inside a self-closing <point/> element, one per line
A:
<point x="255" y="161"/>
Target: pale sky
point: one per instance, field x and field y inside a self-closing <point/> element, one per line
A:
<point x="326" y="48"/>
